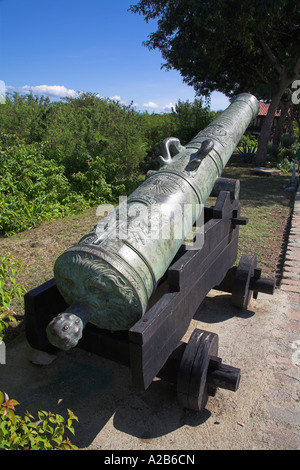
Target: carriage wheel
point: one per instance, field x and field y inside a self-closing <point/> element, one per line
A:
<point x="192" y="388"/>
<point x="241" y="292"/>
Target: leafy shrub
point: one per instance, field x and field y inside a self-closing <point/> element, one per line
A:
<point x="191" y="118"/>
<point x="32" y="188"/>
<point x="79" y="152"/>
<point x="96" y="184"/>
<point x="285" y="165"/>
<point x="289" y="152"/>
<point x="287" y="141"/>
<point x="10" y="289"/>
<point x="247" y="152"/>
<point x="26" y="433"/>
<point x="273" y="151"/>
<point x="88" y="126"/>
<point x="247" y="140"/>
<point x="284" y="156"/>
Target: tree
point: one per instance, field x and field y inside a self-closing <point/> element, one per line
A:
<point x="25" y="115"/>
<point x="285" y="106"/>
<point x="191" y="117"/>
<point x="231" y="46"/>
<point x="184" y="122"/>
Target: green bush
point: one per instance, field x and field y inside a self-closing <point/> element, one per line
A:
<point x="247" y="140"/>
<point x="10" y="289"/>
<point x="27" y="433"/>
<point x="289" y="152"/>
<point x="32" y="188"/>
<point x="285" y="165"/>
<point x="273" y="151"/>
<point x="79" y="152"/>
<point x="282" y="157"/>
<point x="247" y="152"/>
<point x="86" y="127"/>
<point x="287" y="141"/>
<point x="97" y="183"/>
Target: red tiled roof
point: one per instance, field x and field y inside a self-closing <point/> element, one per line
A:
<point x="263" y="109"/>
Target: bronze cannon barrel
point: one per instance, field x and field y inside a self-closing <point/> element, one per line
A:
<point x="109" y="276"/>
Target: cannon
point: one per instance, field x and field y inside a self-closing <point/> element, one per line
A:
<point x="130" y="287"/>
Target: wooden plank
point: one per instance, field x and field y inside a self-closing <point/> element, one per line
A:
<point x="110" y="345"/>
<point x="215" y="230"/>
<point x="181" y="272"/>
<point x="41" y="305"/>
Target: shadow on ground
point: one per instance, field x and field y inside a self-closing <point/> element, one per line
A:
<point x="98" y="390"/>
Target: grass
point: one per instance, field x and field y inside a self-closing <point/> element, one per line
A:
<point x="263" y="201"/>
<point x="268" y="209"/>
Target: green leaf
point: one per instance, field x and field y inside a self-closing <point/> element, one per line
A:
<point x="41" y="415"/>
<point x="11" y="415"/>
<point x="59" y="418"/>
<point x="57" y="440"/>
<point x="71" y="428"/>
<point x="71" y="415"/>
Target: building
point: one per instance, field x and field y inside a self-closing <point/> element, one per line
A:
<point x="256" y="125"/>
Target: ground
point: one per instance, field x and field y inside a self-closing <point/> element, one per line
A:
<point x="263" y="341"/>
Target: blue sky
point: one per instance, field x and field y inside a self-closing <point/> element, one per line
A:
<point x="59" y="48"/>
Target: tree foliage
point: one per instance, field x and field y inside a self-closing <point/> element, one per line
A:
<point x="229" y="45"/>
<point x="185" y="121"/>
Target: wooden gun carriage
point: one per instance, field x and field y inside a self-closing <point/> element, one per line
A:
<point x="153" y="347"/>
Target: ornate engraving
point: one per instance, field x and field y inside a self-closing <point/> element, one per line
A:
<point x="214" y="131"/>
<point x="81" y="277"/>
<point x="156" y="185"/>
<point x="165" y="185"/>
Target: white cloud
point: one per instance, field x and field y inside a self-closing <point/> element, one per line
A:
<point x="159" y="108"/>
<point x="115" y="98"/>
<point x="151" y="104"/>
<point x="168" y="107"/>
<point x="52" y="90"/>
